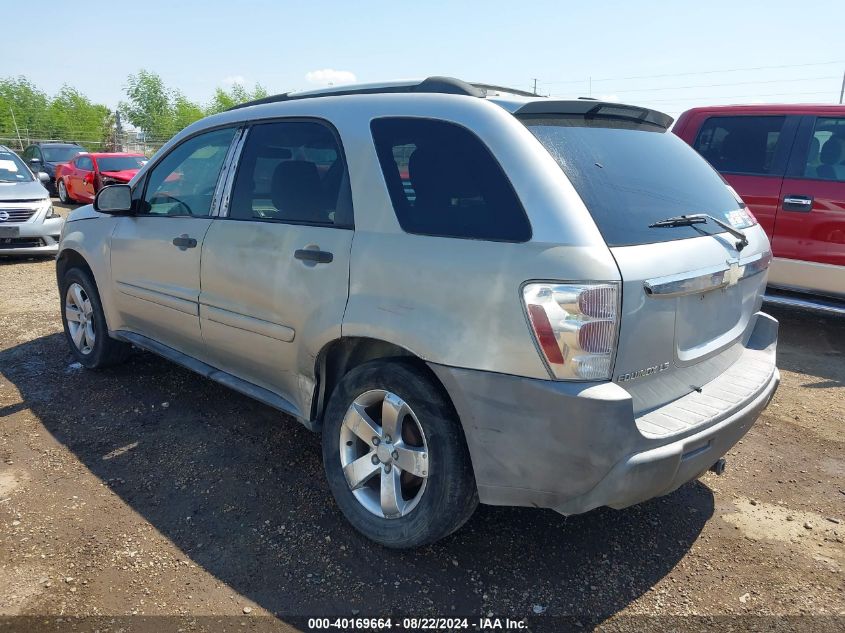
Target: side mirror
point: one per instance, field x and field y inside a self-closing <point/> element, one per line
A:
<point x="114" y="199"/>
<point x="43" y="176"/>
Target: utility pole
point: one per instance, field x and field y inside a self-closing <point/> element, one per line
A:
<point x="20" y="142"/>
<point x="535" y="88"/>
<point x="842" y="89"/>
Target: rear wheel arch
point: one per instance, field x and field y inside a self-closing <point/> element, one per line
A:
<point x="340" y="356"/>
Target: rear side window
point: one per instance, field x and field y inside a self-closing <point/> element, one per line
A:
<point x="740" y="144"/>
<point x="826" y="155"/>
<point x="291" y="171"/>
<point x="85" y="163"/>
<point x="630" y="175"/>
<point x="443" y="181"/>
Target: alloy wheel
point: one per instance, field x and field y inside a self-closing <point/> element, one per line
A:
<point x="80" y="318"/>
<point x="384" y="454"/>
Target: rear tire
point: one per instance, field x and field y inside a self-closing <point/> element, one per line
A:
<point x="422" y="474"/>
<point x="85" y="323"/>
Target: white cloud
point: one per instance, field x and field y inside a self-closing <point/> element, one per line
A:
<point x="330" y="77"/>
<point x="231" y="80"/>
<point x="613" y="97"/>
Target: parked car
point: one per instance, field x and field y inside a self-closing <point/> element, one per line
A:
<point x="82" y="177"/>
<point x="528" y="320"/>
<point x="28" y="224"/>
<point x="46" y="156"/>
<point x="788" y="163"/>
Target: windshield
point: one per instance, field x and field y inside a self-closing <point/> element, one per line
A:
<point x="60" y="154"/>
<point x="631" y="174"/>
<point x="119" y="163"/>
<point x="12" y="168"/>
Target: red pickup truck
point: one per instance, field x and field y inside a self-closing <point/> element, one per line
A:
<point x="787" y="162"/>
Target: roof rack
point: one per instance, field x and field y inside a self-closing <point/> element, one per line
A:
<point x="438" y="85"/>
<point x="511" y="91"/>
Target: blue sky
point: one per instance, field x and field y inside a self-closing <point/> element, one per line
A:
<point x="197" y="46"/>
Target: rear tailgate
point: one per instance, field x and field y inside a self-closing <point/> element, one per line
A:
<point x="684" y="323"/>
<point x="689" y="293"/>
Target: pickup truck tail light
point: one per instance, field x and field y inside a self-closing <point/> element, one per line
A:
<point x="575" y="327"/>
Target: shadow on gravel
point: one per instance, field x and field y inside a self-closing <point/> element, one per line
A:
<point x="240" y="490"/>
<point x="812" y="344"/>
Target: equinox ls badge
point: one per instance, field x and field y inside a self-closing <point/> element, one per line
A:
<point x="648" y="371"/>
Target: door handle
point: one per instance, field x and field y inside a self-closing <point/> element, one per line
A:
<point x="183" y="242"/>
<point x="319" y="257"/>
<point x="801" y="204"/>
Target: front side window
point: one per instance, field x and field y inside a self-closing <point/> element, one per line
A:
<point x="183" y="182"/>
<point x="443" y="181"/>
<point x="740" y="144"/>
<point x="291" y="171"/>
<point x="826" y="155"/>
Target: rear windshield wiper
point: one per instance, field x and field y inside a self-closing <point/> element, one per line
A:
<point x="702" y="218"/>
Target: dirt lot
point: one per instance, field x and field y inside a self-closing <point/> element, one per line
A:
<point x="146" y="489"/>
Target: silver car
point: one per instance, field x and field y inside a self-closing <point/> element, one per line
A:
<point x="475" y="294"/>
<point x="28" y="223"/>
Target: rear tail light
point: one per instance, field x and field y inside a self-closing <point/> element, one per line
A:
<point x="575" y="326"/>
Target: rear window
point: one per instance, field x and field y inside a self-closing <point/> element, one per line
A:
<point x="444" y="181"/>
<point x="631" y="174"/>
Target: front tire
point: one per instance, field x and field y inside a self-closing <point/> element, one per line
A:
<point x="85" y="323"/>
<point x="395" y="456"/>
<point x="63" y="194"/>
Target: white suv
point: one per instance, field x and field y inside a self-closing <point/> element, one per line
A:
<point x="474" y="293"/>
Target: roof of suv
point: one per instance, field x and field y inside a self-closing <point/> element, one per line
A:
<point x="773" y="108"/>
<point x="55" y="144"/>
<point x="511" y="99"/>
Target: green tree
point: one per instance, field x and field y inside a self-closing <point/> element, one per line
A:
<point x="71" y="115"/>
<point x="149" y="104"/>
<point x="23" y="109"/>
<point x="237" y="94"/>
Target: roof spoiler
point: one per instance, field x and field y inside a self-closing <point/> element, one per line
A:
<point x="597" y="109"/>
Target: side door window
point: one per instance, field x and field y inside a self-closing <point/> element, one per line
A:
<point x="183" y="182"/>
<point x="293" y="172"/>
<point x="743" y="144"/>
<point x="443" y="181"/>
<point x="84" y="163"/>
<point x="826" y="153"/>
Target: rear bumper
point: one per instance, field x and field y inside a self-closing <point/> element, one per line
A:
<point x="577" y="446"/>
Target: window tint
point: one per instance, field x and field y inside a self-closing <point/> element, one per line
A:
<point x="85" y="163"/>
<point x="443" y="181"/>
<point x="291" y="171"/>
<point x="183" y="182"/>
<point x="630" y="175"/>
<point x="826" y="155"/>
<point x="740" y="144"/>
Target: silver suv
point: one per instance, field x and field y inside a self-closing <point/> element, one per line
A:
<point x="475" y="294"/>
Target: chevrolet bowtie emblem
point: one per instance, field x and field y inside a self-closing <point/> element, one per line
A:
<point x="733" y="274"/>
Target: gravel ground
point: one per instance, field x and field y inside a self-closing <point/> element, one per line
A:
<point x="146" y="489"/>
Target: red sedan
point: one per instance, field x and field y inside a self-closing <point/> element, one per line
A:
<point x="81" y="178"/>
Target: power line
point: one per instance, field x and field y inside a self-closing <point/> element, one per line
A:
<point x="735" y="83"/>
<point x="751" y="96"/>
<point x="697" y="72"/>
